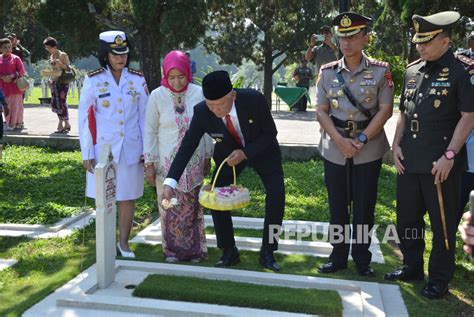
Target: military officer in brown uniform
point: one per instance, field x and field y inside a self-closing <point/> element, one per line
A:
<point x="436" y="117"/>
<point x="353" y="141"/>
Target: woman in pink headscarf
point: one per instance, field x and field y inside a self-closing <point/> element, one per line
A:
<point x="169" y="112"/>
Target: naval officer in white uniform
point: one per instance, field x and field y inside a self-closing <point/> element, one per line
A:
<point x="112" y="111"/>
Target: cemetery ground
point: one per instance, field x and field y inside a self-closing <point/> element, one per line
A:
<point x="41" y="186"/>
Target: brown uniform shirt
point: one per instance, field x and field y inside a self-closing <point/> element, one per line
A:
<point x="371" y="85"/>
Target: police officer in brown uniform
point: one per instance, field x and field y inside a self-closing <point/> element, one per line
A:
<point x="354" y="100"/>
<point x="436" y="117"/>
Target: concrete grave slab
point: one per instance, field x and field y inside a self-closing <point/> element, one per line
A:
<point x="152" y="235"/>
<point x="61" y="229"/>
<point x="6" y="263"/>
<point x="82" y="294"/>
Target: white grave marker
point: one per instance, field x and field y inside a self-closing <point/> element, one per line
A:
<point x="106" y="211"/>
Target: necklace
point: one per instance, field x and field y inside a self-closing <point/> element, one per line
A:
<point x="178" y="100"/>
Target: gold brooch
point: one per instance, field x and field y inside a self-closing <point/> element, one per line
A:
<point x="416" y="25"/>
<point x="346" y="21"/>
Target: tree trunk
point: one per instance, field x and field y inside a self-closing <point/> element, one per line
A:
<point x="267" y="70"/>
<point x="149" y="56"/>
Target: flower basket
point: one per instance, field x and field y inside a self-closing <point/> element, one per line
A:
<point x="224" y="198"/>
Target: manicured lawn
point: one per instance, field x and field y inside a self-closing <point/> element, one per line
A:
<point x="36" y="93"/>
<point x="38" y="184"/>
<point x="199" y="290"/>
<point x="42" y="186"/>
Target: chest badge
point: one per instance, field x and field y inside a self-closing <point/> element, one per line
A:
<point x="103" y="90"/>
<point x="106" y="84"/>
<point x="105" y="103"/>
<point x="445" y="92"/>
<point x="368" y="74"/>
<point x="437" y="103"/>
<point x="335" y="103"/>
<point x="432" y="91"/>
<point x="340" y="93"/>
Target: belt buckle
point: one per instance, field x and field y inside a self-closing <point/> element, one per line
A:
<point x="414" y="126"/>
<point x="350" y="125"/>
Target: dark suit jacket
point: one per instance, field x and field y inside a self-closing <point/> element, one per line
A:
<point x="257" y="126"/>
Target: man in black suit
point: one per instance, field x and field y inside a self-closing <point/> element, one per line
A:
<point x="241" y="124"/>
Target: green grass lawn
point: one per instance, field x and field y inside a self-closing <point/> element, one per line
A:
<point x="38" y="184"/>
<point x="36" y="93"/>
<point x="199" y="290"/>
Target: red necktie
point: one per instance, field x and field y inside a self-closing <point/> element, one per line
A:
<point x="232" y="130"/>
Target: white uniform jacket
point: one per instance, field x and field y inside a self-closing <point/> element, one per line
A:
<point x="119" y="112"/>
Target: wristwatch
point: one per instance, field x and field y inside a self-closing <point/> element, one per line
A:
<point x="362" y="138"/>
<point x="449" y="154"/>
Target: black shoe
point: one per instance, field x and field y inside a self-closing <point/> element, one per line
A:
<point x="230" y="257"/>
<point x="433" y="291"/>
<point x="402" y="274"/>
<point x="267" y="260"/>
<point x="366" y="271"/>
<point x="331" y="267"/>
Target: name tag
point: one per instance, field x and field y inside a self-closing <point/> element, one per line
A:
<point x="104" y="95"/>
<point x="440" y="84"/>
<point x="368" y="82"/>
<point x="217" y="135"/>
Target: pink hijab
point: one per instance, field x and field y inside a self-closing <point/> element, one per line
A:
<point x="180" y="61"/>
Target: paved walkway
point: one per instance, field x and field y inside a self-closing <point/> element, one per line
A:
<point x="297" y="131"/>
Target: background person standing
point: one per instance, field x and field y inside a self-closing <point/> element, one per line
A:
<point x="11" y="67"/>
<point x="59" y="61"/>
<point x="303" y="76"/>
<point x="323" y="53"/>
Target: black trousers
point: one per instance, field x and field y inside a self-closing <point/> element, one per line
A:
<point x="467" y="184"/>
<point x="364" y="193"/>
<point x="303" y="102"/>
<point x="416" y="194"/>
<point x="274" y="206"/>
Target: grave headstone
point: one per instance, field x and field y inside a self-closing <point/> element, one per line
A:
<point x="106" y="211"/>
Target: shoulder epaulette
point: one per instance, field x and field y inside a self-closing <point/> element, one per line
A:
<point x="95" y="72"/>
<point x="377" y="62"/>
<point x="135" y="72"/>
<point x="465" y="60"/>
<point x="414" y="62"/>
<point x="329" y="65"/>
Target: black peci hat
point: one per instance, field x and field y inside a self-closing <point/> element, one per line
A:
<point x="427" y="27"/>
<point x="350" y="23"/>
<point x="216" y="85"/>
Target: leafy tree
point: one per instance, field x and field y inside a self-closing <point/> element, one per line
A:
<point x="268" y="32"/>
<point x="19" y="17"/>
<point x="397" y="14"/>
<point x="154" y="27"/>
